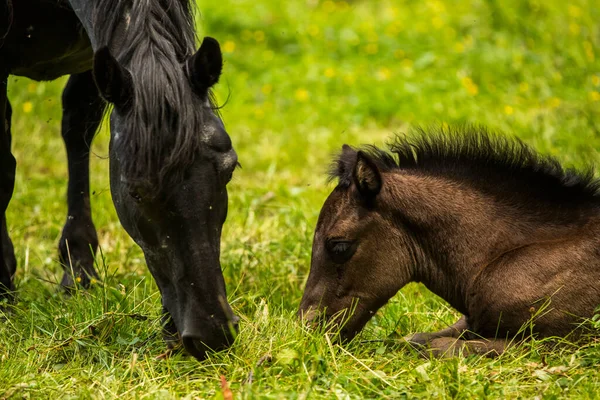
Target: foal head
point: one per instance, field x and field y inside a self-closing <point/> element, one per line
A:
<point x="360" y="257"/>
<point x="170" y="161"/>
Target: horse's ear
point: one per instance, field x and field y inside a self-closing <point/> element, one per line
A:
<point x="205" y="66"/>
<point x="113" y="81"/>
<point x="366" y="176"/>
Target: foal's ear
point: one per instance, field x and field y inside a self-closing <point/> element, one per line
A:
<point x="113" y="81"/>
<point x="205" y="66"/>
<point x="366" y="176"/>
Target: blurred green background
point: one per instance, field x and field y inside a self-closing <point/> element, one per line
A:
<point x="300" y="79"/>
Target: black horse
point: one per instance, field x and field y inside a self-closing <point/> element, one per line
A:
<point x="170" y="155"/>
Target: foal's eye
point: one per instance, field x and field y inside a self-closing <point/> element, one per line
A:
<point x="340" y="251"/>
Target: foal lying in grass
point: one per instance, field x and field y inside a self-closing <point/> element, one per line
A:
<point x="483" y="221"/>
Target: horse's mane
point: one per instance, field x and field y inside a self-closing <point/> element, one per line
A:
<point x="6" y="17"/>
<point x="164" y="128"/>
<point x="504" y="167"/>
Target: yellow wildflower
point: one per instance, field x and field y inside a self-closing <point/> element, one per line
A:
<point x="328" y="6"/>
<point x="27" y="107"/>
<point x="329" y="72"/>
<point x="301" y="95"/>
<point x="383" y="74"/>
<point x="437" y="22"/>
<point x="594" y="96"/>
<point x="391" y="11"/>
<point x="407" y="64"/>
<point x="508" y="110"/>
<point x="436" y="6"/>
<point x="471" y="87"/>
<point x="229" y="46"/>
<point x="574" y="11"/>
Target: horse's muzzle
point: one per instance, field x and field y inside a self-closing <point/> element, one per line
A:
<point x="199" y="344"/>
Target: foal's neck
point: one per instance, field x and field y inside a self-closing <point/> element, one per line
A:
<point x="459" y="230"/>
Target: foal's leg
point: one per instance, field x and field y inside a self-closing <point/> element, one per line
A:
<point x="453" y="331"/>
<point x="446" y="347"/>
<point x="82" y="113"/>
<point x="7" y="183"/>
<point x="446" y="343"/>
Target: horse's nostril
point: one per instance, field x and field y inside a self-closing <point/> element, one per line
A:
<point x="198" y="344"/>
<point x="194" y="346"/>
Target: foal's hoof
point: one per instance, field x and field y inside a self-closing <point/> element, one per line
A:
<point x="417" y="340"/>
<point x="446" y="347"/>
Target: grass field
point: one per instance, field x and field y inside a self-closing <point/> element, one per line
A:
<point x="301" y="78"/>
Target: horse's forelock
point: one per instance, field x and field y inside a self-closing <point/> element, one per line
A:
<point x="162" y="131"/>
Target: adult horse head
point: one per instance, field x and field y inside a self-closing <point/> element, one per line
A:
<point x="170" y="159"/>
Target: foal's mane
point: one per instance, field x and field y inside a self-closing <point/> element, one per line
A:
<point x="153" y="39"/>
<point x="498" y="165"/>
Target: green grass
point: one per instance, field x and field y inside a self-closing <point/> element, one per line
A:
<point x="301" y="78"/>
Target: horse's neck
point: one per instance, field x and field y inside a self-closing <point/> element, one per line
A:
<point x="460" y="231"/>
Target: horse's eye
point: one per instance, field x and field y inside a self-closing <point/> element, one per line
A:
<point x="136" y="196"/>
<point x="340" y="251"/>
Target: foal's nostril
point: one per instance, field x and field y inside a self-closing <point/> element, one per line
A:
<point x="312" y="317"/>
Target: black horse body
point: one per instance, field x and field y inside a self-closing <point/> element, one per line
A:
<point x="170" y="155"/>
